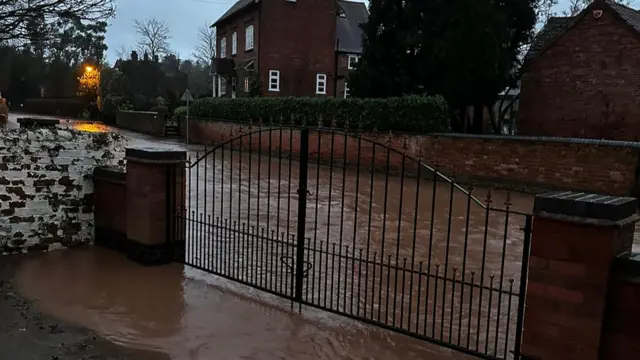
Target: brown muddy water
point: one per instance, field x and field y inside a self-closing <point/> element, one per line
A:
<point x="191" y="315"/>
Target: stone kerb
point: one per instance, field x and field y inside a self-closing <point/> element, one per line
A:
<point x="576" y="238"/>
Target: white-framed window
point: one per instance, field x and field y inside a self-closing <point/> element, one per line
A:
<point x="223" y="48"/>
<point x="246" y="84"/>
<point x="274" y="80"/>
<point x="353" y="61"/>
<point x="223" y="86"/>
<point x="248" y="41"/>
<point x="346" y="90"/>
<point x="321" y="84"/>
<point x="234" y="43"/>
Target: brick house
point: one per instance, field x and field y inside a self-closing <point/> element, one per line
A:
<point x="581" y="76"/>
<point x="294" y="48"/>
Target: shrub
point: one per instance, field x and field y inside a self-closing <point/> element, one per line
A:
<point x="71" y="107"/>
<point x="180" y="111"/>
<point x="416" y="114"/>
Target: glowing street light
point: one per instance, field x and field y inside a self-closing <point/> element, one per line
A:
<point x="88" y="68"/>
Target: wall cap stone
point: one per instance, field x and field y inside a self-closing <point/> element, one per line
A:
<point x="110" y="174"/>
<point x="156" y="155"/>
<point x="628" y="265"/>
<point x="37" y="122"/>
<point x="586" y="206"/>
<point x="614" y="143"/>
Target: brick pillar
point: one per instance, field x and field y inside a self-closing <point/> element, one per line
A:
<point x="575" y="241"/>
<point x="155" y="190"/>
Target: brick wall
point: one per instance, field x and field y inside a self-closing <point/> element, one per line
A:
<point x="586" y="84"/>
<point x="621" y="330"/>
<point x="142" y="121"/>
<point x="46" y="192"/>
<point x="110" y="212"/>
<point x="529" y="164"/>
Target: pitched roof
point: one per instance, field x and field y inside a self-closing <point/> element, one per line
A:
<point x="557" y="26"/>
<point x="552" y="29"/>
<point x="348" y="31"/>
<point x="631" y="16"/>
<point x="235" y="8"/>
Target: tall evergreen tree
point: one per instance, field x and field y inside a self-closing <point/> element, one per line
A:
<point x="466" y="51"/>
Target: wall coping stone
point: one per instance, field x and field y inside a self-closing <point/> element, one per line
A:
<point x="112" y="174"/>
<point x="139" y="112"/>
<point x="614" y="143"/>
<point x="586" y="206"/>
<point x="155" y="155"/>
<point x="629" y="265"/>
<point x="37" y="122"/>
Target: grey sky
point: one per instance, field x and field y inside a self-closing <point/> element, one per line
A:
<point x="183" y="17"/>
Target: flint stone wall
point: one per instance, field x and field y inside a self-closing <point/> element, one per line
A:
<point x="46" y="189"/>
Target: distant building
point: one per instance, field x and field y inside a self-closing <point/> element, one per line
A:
<point x="288" y="47"/>
<point x="582" y="76"/>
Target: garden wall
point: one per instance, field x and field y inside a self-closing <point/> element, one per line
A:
<point x="519" y="163"/>
<point x="146" y="122"/>
<point x="46" y="187"/>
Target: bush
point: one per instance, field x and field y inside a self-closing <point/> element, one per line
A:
<point x="416" y="114"/>
<point x="70" y="107"/>
<point x="180" y="111"/>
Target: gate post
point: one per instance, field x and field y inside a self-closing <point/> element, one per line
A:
<point x="576" y="238"/>
<point x="302" y="212"/>
<point x="155" y="191"/>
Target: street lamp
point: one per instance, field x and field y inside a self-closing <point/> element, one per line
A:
<point x="88" y="68"/>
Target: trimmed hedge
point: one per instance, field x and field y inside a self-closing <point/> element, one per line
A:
<point x="70" y="107"/>
<point x="416" y="114"/>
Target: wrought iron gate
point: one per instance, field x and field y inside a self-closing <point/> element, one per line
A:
<point x="356" y="226"/>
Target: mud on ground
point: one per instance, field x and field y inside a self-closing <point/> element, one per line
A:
<point x="27" y="334"/>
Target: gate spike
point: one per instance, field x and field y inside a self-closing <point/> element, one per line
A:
<point x="507" y="202"/>
<point x="389" y="137"/>
<point x="260" y="123"/>
<point x="405" y="144"/>
<point x="320" y="122"/>
<point x="334" y="123"/>
<point x="346" y="125"/>
<point x="488" y="201"/>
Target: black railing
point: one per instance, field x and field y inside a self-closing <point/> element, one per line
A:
<point x="381" y="238"/>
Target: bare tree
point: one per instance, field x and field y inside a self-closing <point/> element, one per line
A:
<point x="575" y="6"/>
<point x="124" y="52"/>
<point x="154" y="36"/>
<point x="206" y="46"/>
<point x="16" y="15"/>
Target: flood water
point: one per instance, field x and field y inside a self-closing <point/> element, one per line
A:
<point x="191" y="315"/>
<point x="399" y="251"/>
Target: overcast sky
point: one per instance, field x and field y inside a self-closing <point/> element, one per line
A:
<point x="183" y="17"/>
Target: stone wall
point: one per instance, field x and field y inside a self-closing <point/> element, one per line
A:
<point x="46" y="190"/>
<point x="147" y="122"/>
<point x="519" y="163"/>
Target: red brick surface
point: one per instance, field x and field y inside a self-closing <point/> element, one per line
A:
<point x="569" y="277"/>
<point x="109" y="200"/>
<point x="298" y="39"/>
<point x="621" y="336"/>
<point x="522" y="164"/>
<point x="587" y="84"/>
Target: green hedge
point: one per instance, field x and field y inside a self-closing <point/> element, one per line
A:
<point x="70" y="107"/>
<point x="416" y="114"/>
